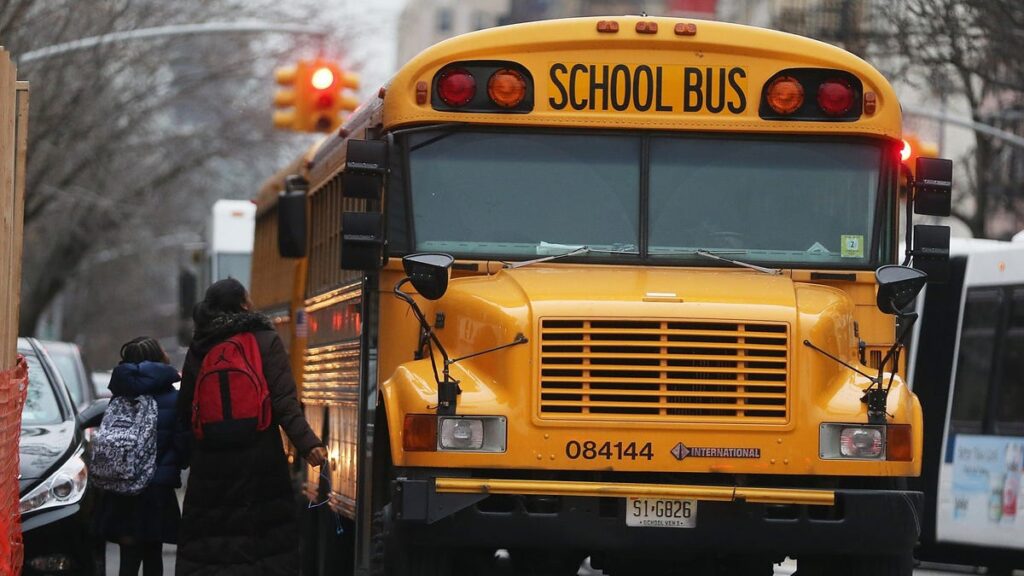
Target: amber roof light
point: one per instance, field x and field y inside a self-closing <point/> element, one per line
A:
<point x="507" y="88"/>
<point x="785" y="95"/>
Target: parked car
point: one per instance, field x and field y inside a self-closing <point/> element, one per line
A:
<point x="56" y="502"/>
<point x="67" y="358"/>
<point x="100" y="381"/>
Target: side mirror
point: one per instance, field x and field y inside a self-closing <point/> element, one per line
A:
<point x="897" y="287"/>
<point x="291" y="218"/>
<point x="362" y="245"/>
<point x="931" y="251"/>
<point x="366" y="164"/>
<point x="92" y="416"/>
<point x="933" y="186"/>
<point x="429" y="273"/>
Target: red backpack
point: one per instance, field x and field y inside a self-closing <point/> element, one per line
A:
<point x="231" y="400"/>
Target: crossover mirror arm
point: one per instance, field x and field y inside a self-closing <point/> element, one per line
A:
<point x="819" y="350"/>
<point x="519" y="339"/>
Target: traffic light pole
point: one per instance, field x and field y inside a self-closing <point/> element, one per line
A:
<point x="1003" y="135"/>
<point x="175" y="30"/>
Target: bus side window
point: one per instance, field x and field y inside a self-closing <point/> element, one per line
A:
<point x="1009" y="420"/>
<point x="982" y="312"/>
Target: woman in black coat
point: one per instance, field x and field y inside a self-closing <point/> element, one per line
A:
<point x="239" y="513"/>
<point x="143" y="522"/>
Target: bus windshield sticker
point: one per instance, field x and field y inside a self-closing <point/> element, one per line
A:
<point x="647" y="88"/>
<point x="818" y="249"/>
<point x="853" y="245"/>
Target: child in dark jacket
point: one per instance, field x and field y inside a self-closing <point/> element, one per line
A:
<point x="141" y="523"/>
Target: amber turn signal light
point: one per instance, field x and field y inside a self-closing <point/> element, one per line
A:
<point x="419" y="433"/>
<point x="899" y="443"/>
<point x="785" y="95"/>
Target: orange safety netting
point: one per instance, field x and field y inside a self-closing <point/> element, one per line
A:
<point x="13" y="387"/>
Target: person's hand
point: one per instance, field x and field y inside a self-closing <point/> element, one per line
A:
<point x="317" y="456"/>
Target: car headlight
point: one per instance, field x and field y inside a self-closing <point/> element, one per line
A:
<point x="63" y="487"/>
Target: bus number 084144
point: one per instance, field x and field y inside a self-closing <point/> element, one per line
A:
<point x="591" y="450"/>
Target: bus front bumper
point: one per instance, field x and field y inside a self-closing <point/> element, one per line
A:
<point x="507" y="513"/>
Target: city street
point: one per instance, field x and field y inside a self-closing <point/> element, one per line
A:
<point x="785" y="569"/>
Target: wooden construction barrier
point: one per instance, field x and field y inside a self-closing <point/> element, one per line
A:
<point x="13" y="373"/>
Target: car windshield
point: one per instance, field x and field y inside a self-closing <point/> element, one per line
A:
<point x="67" y="365"/>
<point x="798" y="202"/>
<point x="41" y="406"/>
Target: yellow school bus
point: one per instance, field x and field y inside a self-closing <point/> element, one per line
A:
<point x="626" y="289"/>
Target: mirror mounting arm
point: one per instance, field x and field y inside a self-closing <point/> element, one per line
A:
<point x="876" y="396"/>
<point x="909" y="233"/>
<point x="447" y="389"/>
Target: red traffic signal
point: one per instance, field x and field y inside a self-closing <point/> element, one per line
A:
<point x="316" y="96"/>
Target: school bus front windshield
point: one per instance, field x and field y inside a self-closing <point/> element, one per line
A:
<point x="651" y="198"/>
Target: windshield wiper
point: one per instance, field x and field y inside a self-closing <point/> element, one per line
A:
<point x="708" y="254"/>
<point x="573" y="251"/>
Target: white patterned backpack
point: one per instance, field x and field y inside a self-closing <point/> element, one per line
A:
<point x="123" y="453"/>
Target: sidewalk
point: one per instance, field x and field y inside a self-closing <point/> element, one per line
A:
<point x="114" y="558"/>
<point x="114" y="553"/>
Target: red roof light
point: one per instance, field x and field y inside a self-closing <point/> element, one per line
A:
<point x="835" y="97"/>
<point x="456" y="87"/>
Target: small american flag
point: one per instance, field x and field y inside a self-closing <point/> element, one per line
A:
<point x="301" y="324"/>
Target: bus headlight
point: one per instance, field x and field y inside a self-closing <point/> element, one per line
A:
<point x="471" y="434"/>
<point x="851" y="442"/>
<point x="860" y="442"/>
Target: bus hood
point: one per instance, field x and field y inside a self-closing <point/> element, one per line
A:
<point x="491" y="310"/>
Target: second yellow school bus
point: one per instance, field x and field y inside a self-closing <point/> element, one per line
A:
<point x="664" y="343"/>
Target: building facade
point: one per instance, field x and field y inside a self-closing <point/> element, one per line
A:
<point x="424" y="23"/>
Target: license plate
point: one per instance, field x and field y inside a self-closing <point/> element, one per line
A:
<point x="661" y="513"/>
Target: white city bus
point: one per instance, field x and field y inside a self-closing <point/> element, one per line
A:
<point x="229" y="243"/>
<point x="972" y="336"/>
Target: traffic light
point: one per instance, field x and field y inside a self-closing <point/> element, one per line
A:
<point x="314" y="99"/>
<point x="913" y="148"/>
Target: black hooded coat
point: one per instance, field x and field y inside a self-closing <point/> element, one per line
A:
<point x="239" y="515"/>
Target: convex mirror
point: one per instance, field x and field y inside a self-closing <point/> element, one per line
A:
<point x="429" y="273"/>
<point x="897" y="287"/>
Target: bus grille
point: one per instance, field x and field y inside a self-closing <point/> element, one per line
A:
<point x="664" y="371"/>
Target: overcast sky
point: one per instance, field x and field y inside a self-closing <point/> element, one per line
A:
<point x="375" y="23"/>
